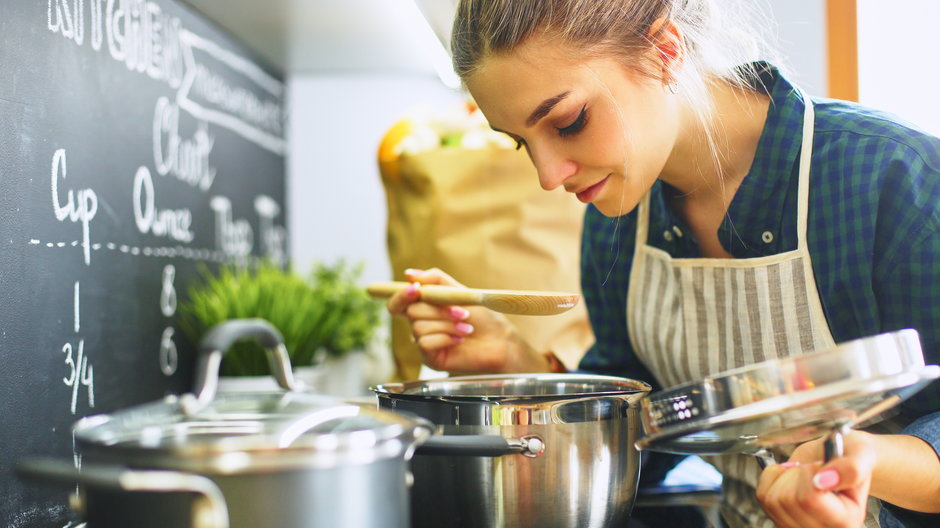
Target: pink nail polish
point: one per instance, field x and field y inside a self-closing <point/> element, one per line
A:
<point x="789" y="464"/>
<point x="412" y="289"/>
<point x="457" y="339"/>
<point x="459" y="313"/>
<point x="464" y="328"/>
<point x="413" y="272"/>
<point x="826" y="480"/>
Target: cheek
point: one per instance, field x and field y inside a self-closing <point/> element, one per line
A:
<point x="606" y="145"/>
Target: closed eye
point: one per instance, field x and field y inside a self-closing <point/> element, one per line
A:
<point x="576" y="125"/>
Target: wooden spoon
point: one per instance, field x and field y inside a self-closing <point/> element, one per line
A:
<point x="505" y="301"/>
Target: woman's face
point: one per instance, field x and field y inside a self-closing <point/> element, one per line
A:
<point x="591" y="125"/>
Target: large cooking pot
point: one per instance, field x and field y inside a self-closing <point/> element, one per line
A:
<point x="571" y="461"/>
<point x="281" y="459"/>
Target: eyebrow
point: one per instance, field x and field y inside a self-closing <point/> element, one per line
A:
<point x="543" y="109"/>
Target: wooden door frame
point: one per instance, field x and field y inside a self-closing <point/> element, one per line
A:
<point x="842" y="48"/>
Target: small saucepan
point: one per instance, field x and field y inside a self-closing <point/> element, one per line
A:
<point x="281" y="459"/>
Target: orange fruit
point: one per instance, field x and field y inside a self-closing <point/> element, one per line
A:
<point x="389" y="147"/>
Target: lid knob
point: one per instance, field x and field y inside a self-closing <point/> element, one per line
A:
<point x="217" y="342"/>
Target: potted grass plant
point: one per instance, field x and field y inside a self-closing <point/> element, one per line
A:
<point x="325" y="317"/>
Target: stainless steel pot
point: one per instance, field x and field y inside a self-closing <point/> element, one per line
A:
<point x="282" y="459"/>
<point x="561" y="449"/>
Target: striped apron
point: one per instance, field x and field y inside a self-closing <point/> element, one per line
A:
<point x="693" y="317"/>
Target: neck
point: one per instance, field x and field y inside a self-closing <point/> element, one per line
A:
<point x="707" y="174"/>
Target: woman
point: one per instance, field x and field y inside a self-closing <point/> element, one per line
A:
<point x="732" y="219"/>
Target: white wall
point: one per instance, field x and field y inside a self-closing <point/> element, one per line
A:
<point x="336" y="203"/>
<point x="801" y="38"/>
<point x="898" y="47"/>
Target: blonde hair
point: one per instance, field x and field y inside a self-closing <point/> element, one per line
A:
<point x="720" y="37"/>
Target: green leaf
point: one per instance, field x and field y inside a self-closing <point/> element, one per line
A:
<point x="328" y="310"/>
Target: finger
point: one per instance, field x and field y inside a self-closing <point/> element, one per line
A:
<point x="814" y="507"/>
<point x="849" y="471"/>
<point x="398" y="303"/>
<point x="431" y="276"/>
<point x="459" y="359"/>
<point x="422" y="310"/>
<point x="439" y="351"/>
<point x="777" y="500"/>
<point x="807" y="452"/>
<point x="833" y="482"/>
<point x="769" y="475"/>
<point x="424" y="327"/>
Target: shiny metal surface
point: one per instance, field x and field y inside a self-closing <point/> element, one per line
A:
<point x="584" y="477"/>
<point x="217" y="342"/>
<point x="250" y="432"/>
<point x="788" y="400"/>
<point x="231" y="433"/>
<point x="281" y="459"/>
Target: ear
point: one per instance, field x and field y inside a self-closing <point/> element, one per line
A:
<point x="668" y="46"/>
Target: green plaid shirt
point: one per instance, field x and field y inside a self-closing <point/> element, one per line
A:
<point x="873" y="231"/>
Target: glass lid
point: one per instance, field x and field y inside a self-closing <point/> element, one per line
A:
<point x="245" y="421"/>
<point x="233" y="431"/>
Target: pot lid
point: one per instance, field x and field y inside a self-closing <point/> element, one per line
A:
<point x="787" y="400"/>
<point x="242" y="431"/>
<point x="513" y="388"/>
<point x="248" y="431"/>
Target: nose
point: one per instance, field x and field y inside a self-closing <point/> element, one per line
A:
<point x="552" y="167"/>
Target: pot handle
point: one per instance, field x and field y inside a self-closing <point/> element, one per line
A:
<point x="481" y="445"/>
<point x="217" y="342"/>
<point x="833" y="447"/>
<point x="209" y="511"/>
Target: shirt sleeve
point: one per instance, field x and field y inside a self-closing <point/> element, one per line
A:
<point x="927" y="428"/>
<point x="907" y="286"/>
<point x="909" y="297"/>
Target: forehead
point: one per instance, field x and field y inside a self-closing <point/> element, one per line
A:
<point x="507" y="85"/>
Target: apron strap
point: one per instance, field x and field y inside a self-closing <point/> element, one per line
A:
<point x="806" y="155"/>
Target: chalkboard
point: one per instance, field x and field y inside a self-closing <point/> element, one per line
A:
<point x="137" y="142"/>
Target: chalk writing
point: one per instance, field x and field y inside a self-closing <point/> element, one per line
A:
<point x="78" y="208"/>
<point x="60" y="19"/>
<point x="209" y="97"/>
<point x="187" y="160"/>
<point x="77" y="323"/>
<point x="137" y="33"/>
<point x="171" y="223"/>
<point x="80" y="373"/>
<point x="169" y="358"/>
<point x="273" y="237"/>
<point x="234" y="237"/>
<point x="168" y="293"/>
<point x="146" y="40"/>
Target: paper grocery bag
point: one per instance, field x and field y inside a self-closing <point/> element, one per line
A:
<point x="481" y="216"/>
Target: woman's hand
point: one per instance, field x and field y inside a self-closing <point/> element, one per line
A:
<point x="462" y="340"/>
<point x="805" y="493"/>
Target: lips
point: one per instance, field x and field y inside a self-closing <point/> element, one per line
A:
<point x="588" y="195"/>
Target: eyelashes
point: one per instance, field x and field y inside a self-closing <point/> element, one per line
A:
<point x="576" y="126"/>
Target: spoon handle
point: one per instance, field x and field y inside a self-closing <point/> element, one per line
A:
<point x="432" y="293"/>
